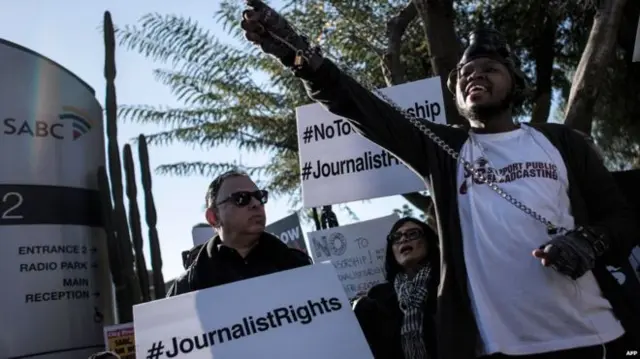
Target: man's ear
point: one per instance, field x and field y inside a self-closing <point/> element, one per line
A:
<point x="211" y="217"/>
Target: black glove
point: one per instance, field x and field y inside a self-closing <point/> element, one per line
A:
<point x="574" y="253"/>
<point x="265" y="27"/>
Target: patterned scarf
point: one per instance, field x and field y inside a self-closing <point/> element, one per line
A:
<point x="412" y="292"/>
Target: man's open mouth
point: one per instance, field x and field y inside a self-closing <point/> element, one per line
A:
<point x="476" y="88"/>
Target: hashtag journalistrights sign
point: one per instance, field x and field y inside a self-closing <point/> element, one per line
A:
<point x="337" y="165"/>
<point x="248" y="319"/>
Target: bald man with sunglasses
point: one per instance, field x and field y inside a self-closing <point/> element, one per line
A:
<point x="241" y="248"/>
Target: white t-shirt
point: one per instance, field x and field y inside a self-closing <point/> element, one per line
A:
<point x="520" y="306"/>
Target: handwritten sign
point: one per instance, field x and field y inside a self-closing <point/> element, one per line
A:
<point x="120" y="340"/>
<point x="356" y="251"/>
<point x="308" y="316"/>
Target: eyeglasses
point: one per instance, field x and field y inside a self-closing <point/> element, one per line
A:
<point x="410" y="234"/>
<point x="243" y="198"/>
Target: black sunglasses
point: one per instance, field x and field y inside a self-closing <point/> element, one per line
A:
<point x="410" y="234"/>
<point x="243" y="198"/>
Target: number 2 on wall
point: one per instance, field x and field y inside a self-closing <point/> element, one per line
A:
<point x="8" y="213"/>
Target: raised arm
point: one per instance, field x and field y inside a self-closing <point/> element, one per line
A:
<point x="339" y="93"/>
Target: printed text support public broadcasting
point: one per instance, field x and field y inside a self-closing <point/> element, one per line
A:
<point x="250" y="325"/>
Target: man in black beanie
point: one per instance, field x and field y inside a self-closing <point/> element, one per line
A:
<point x="525" y="238"/>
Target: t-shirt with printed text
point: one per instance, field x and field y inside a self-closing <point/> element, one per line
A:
<point x="520" y="306"/>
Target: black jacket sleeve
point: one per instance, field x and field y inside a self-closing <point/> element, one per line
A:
<point x="371" y="116"/>
<point x="377" y="332"/>
<point x="380" y="318"/>
<point x="607" y="209"/>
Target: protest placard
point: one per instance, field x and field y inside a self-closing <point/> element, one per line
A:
<point x="356" y="251"/>
<point x="338" y="165"/>
<point x="287" y="229"/>
<point x="308" y="316"/>
<point x="120" y="339"/>
<point x="201" y="233"/>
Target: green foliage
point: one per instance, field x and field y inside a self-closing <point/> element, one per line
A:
<point x="407" y="211"/>
<point x="224" y="104"/>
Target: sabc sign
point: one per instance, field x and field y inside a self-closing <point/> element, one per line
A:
<point x="71" y="122"/>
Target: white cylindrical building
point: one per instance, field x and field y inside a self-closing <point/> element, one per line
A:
<point x="53" y="262"/>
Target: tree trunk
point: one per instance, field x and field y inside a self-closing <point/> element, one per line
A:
<point x="444" y="48"/>
<point x="592" y="68"/>
<point x="544" y="55"/>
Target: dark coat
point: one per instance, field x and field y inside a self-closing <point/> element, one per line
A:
<point x="595" y="198"/>
<point x="380" y="318"/>
<point x="216" y="265"/>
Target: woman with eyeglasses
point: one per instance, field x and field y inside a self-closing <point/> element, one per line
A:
<point x="397" y="317"/>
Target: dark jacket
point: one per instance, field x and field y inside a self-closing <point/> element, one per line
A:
<point x="380" y="318"/>
<point x="595" y="198"/>
<point x="628" y="181"/>
<point x="216" y="265"/>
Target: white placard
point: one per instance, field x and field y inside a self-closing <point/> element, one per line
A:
<point x="308" y="316"/>
<point x="52" y="247"/>
<point x="201" y="234"/>
<point x="357" y="251"/>
<point x="339" y="166"/>
<point x="636" y="48"/>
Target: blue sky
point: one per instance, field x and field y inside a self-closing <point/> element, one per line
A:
<point x="69" y="34"/>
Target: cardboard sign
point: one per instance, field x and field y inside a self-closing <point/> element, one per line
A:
<point x="120" y="340"/>
<point x="356" y="251"/>
<point x="289" y="231"/>
<point x="308" y="316"/>
<point x="338" y="165"/>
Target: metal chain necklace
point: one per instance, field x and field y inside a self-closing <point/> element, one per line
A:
<point x="552" y="229"/>
<point x="492" y="168"/>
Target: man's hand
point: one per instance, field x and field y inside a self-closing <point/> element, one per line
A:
<point x="572" y="254"/>
<point x="266" y="28"/>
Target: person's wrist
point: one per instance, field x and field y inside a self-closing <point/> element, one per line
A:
<point x="307" y="57"/>
<point x="595" y="237"/>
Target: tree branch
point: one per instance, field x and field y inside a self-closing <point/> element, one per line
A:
<point x="444" y="48"/>
<point x="393" y="69"/>
<point x="593" y="64"/>
<point x="544" y="54"/>
<point x="419" y="201"/>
